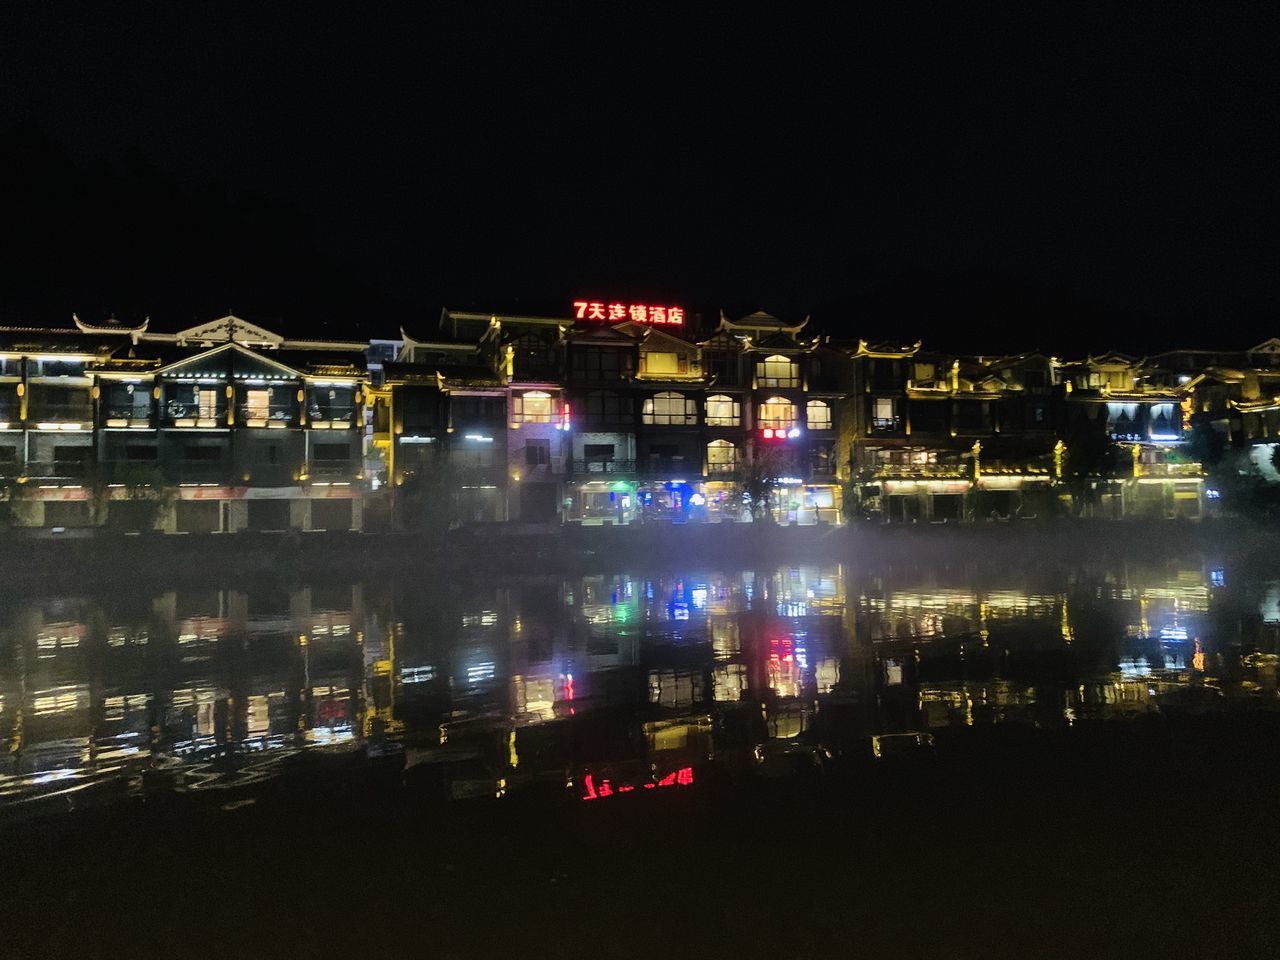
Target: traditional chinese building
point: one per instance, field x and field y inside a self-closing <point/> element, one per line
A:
<point x="221" y="427"/>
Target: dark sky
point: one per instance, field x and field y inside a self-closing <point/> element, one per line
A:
<point x="1061" y="176"/>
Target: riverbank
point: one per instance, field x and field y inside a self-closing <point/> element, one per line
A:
<point x="122" y="558"/>
<point x="1140" y="839"/>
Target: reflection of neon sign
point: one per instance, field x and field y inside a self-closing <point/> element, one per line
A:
<point x="679" y="778"/>
<point x="637" y="312"/>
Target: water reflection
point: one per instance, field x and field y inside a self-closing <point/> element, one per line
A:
<point x="608" y="684"/>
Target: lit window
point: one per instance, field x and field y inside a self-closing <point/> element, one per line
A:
<point x="532" y="407"/>
<point x="660" y="363"/>
<point x="884" y="413"/>
<point x="723" y="411"/>
<point x="207" y="404"/>
<point x="819" y="415"/>
<point x="722" y="456"/>
<point x="669" y="408"/>
<point x="777" y="371"/>
<point x="777" y="413"/>
<point x="257" y="404"/>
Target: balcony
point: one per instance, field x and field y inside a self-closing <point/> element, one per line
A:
<point x="913" y="471"/>
<point x="60" y="416"/>
<point x="207" y="415"/>
<point x="665" y="467"/>
<point x="1170" y="471"/>
<point x="274" y="417"/>
<point x="886" y="424"/>
<point x="73" y="471"/>
<point x="333" y="470"/>
<point x="334" y="418"/>
<point x="602" y="468"/>
<point x="128" y="416"/>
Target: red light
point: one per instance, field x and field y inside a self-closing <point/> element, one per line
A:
<point x="639" y="313"/>
<point x="680" y="778"/>
<point x="675" y="315"/>
<point x="595" y="311"/>
<point x="768" y="433"/>
<point x="617" y="311"/>
<point x="657" y="314"/>
<point x="580" y="309"/>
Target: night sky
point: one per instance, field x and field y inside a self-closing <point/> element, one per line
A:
<point x="1070" y="178"/>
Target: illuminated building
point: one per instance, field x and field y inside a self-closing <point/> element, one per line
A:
<point x="941" y="437"/>
<point x="246" y="429"/>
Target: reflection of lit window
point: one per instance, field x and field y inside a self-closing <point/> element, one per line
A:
<point x="423" y="674"/>
<point x="729" y="682"/>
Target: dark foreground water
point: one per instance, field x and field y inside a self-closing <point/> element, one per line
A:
<point x="940" y="757"/>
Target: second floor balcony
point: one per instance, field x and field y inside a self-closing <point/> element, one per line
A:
<point x="56" y="416"/>
<point x="601" y="467"/>
<point x="1169" y="470"/>
<point x="60" y="471"/>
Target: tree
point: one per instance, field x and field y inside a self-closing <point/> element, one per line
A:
<point x="757" y="480"/>
<point x="1205" y="445"/>
<point x="1091" y="455"/>
<point x="141" y="484"/>
<point x="427" y="500"/>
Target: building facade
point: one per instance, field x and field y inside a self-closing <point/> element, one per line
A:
<point x="601" y="420"/>
<point x="217" y="428"/>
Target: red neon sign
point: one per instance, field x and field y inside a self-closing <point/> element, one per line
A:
<point x="636" y="312"/>
<point x="678" y="778"/>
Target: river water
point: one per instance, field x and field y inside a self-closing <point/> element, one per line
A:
<point x="592" y="686"/>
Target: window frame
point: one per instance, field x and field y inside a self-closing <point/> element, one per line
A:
<point x="734" y="403"/>
<point x="766" y="379"/>
<point x="679" y="410"/>
<point x="766" y="422"/>
<point x="824" y="406"/>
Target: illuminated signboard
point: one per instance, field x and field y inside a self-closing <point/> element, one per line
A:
<point x="780" y="433"/>
<point x="638" y="312"/>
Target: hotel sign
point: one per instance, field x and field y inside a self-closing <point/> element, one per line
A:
<point x="636" y="312"/>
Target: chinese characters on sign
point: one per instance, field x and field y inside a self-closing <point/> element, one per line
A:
<point x="637" y="312"/>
